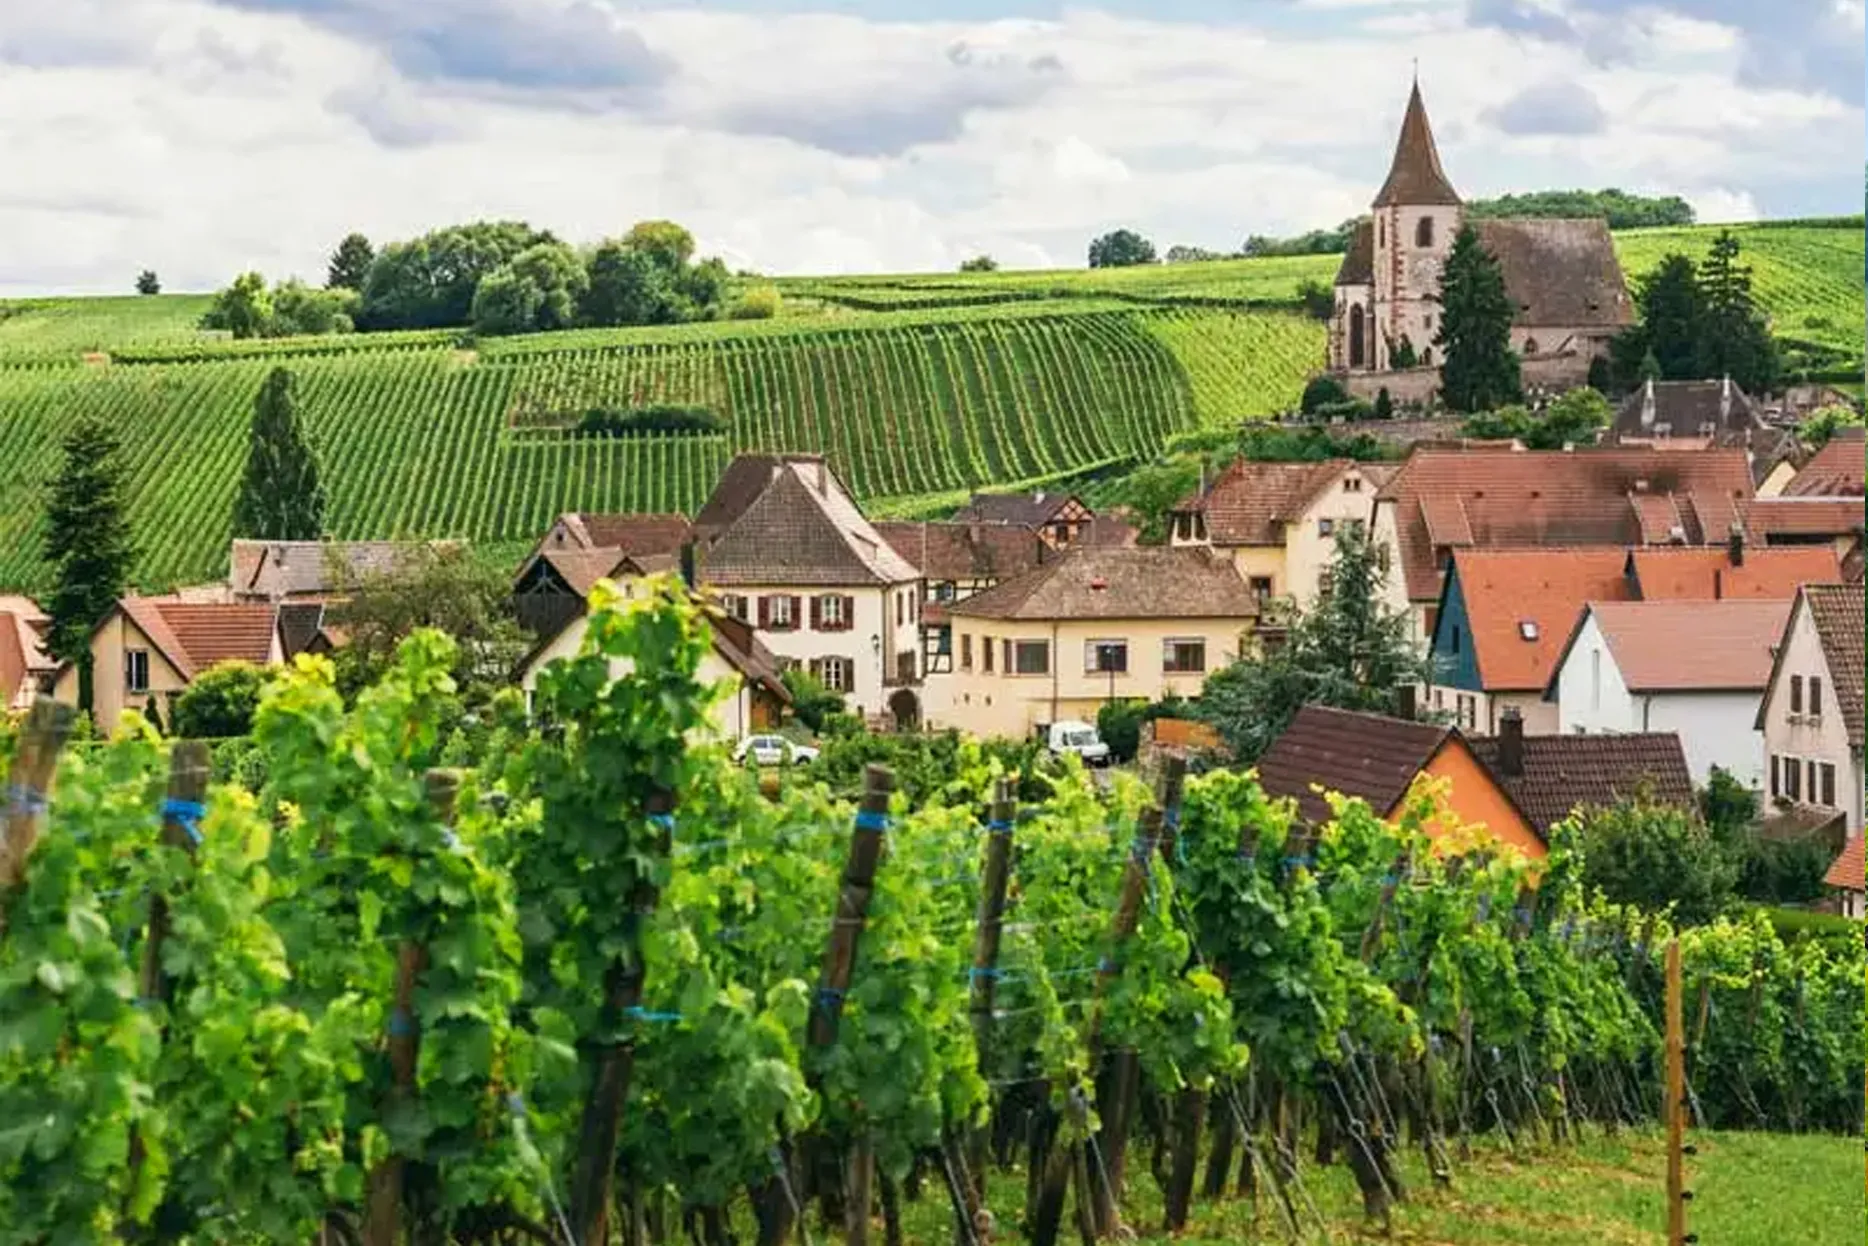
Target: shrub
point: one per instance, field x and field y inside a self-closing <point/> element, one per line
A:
<point x="811" y="703"/>
<point x="758" y="303"/>
<point x="1318" y="299"/>
<point x="1653" y="855"/>
<point x="1322" y="391"/>
<point x="220" y="703"/>
<point x="1384" y="405"/>
<point x="660" y="418"/>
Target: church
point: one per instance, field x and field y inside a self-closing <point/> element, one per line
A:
<point x="1561" y="275"/>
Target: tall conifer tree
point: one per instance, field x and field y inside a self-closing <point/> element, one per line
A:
<point x="88" y="544"/>
<point x="1478" y="368"/>
<point x="280" y="498"/>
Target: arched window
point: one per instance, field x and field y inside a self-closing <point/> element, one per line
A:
<point x="1530" y="346"/>
<point x="1423" y="232"/>
<point x="1381" y="232"/>
<point x="1426" y="358"/>
<point x="1358" y="338"/>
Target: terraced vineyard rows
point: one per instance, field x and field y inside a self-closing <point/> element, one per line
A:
<point x="436" y="442"/>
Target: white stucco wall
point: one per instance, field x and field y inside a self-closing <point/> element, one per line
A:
<point x="1715" y="728"/>
<point x="732" y="717"/>
<point x="870" y="644"/>
<point x="1350" y="497"/>
<point x="1822" y="738"/>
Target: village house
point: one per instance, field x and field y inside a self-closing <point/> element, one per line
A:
<point x="278" y="571"/>
<point x="1696" y="668"/>
<point x="150" y="649"/>
<point x="1811" y="711"/>
<point x="582" y="548"/>
<point x="1444" y="500"/>
<point x="1835" y="470"/>
<point x="1705" y="415"/>
<point x="1093" y="626"/>
<point x="1551" y="776"/>
<point x="1564" y="282"/>
<point x="957" y="561"/>
<point x="26" y="671"/>
<point x="755" y="695"/>
<point x="1505" y="615"/>
<point x="1278" y="522"/>
<point x="789" y="552"/>
<point x="1845" y="880"/>
<point x="1059" y="519"/>
<point x="1378" y="759"/>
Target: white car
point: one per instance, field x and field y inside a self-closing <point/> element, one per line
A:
<point x="773" y="750"/>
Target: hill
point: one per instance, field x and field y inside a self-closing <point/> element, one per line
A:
<point x="918" y="387"/>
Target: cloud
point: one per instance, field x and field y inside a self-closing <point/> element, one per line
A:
<point x="1522" y="17"/>
<point x="1721" y="205"/>
<point x="69" y="34"/>
<point x="543" y="46"/>
<point x="395" y="116"/>
<point x="1559" y="108"/>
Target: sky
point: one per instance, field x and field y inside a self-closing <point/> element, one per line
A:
<point x="201" y="138"/>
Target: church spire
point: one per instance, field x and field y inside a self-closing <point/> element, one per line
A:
<point x="1416" y="177"/>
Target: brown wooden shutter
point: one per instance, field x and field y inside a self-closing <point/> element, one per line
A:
<point x="817" y="614"/>
<point x="765" y="612"/>
<point x="797" y="613"/>
<point x="849" y="613"/>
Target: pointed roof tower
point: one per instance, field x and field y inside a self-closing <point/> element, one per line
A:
<point x="1416" y="176"/>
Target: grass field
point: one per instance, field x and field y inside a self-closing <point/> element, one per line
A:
<point x="919" y="388"/>
<point x="1749" y="1190"/>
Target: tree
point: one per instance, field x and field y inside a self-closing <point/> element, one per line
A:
<point x="350" y="264"/>
<point x="147" y="282"/>
<point x="1821" y="425"/>
<point x="1478" y="368"/>
<point x="1322" y="391"/>
<point x="440" y="586"/>
<point x="281" y="498"/>
<point x="220" y="703"/>
<point x="1384" y="404"/>
<point x="1601" y="374"/>
<point x="1672" y="321"/>
<point x="244" y="308"/>
<point x="1121" y="249"/>
<point x="1350" y="650"/>
<point x="1573" y="419"/>
<point x="88" y="544"/>
<point x="429" y="282"/>
<point x="979" y="264"/>
<point x="1401" y="354"/>
<point x="1654" y="855"/>
<point x="1735" y="337"/>
<point x="627" y="287"/>
<point x="670" y="245"/>
<point x="1318" y="299"/>
<point x="811" y="703"/>
<point x="297" y="308"/>
<point x="538" y="290"/>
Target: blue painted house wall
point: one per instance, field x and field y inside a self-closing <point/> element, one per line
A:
<point x="1455" y="665"/>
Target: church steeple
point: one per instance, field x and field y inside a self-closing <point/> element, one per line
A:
<point x="1416" y="178"/>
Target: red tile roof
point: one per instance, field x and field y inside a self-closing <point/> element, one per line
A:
<point x="13" y="676"/>
<point x="1505" y="590"/>
<point x="1524" y="499"/>
<point x="1690" y="646"/>
<point x="1845" y="873"/>
<point x="1806" y="516"/>
<point x="1708" y="574"/>
<point x="1115" y="582"/>
<point x="1834" y="471"/>
<point x="195" y="635"/>
<point x="1837" y="612"/>
<point x="1250" y="502"/>
<point x="960" y="551"/>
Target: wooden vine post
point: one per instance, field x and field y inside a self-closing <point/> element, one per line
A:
<point x="181" y="828"/>
<point x="29" y="782"/>
<point x="988" y="930"/>
<point x="603" y="1111"/>
<point x="1675" y="1099"/>
<point x="859" y="884"/>
<point x="382" y="1224"/>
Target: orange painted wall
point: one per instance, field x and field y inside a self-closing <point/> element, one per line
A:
<point x="1477" y="798"/>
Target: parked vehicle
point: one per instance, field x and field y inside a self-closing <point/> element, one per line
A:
<point x="1075" y="737"/>
<point x="773" y="750"/>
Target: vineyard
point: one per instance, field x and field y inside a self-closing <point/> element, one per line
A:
<point x="597" y="985"/>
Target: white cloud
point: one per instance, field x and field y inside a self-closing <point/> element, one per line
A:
<point x="249" y="137"/>
<point x="1721" y="205"/>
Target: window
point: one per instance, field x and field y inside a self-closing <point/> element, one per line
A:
<point x="1793" y="778"/>
<point x="1777" y="778"/>
<point x="966" y="651"/>
<point x="1816" y="696"/>
<point x="1352" y="484"/>
<point x="1827" y="772"/>
<point x="1439" y="698"/>
<point x="1530" y="346"/>
<point x="944" y="591"/>
<point x="1595" y="679"/>
<point x="1355" y="527"/>
<point x="901" y="609"/>
<point x="1381" y="232"/>
<point x="836" y="674"/>
<point x="1454" y="637"/>
<point x="1031" y="657"/>
<point x="833" y="613"/>
<point x="1103" y="657"/>
<point x="136" y="670"/>
<point x="1326" y="581"/>
<point x="1809" y="774"/>
<point x="1183" y="657"/>
<point x="1005" y="654"/>
<point x="1796" y="694"/>
<point x="1423" y="232"/>
<point x="1261" y="588"/>
<point x="734" y="605"/>
<point x="985" y="649"/>
<point x="780" y="614"/>
<point x="1326" y="527"/>
<point x="1527" y="629"/>
<point x="1468" y="711"/>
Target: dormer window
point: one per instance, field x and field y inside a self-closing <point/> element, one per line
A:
<point x="1527" y="629"/>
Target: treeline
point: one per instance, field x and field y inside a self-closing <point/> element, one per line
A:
<point x="1619" y="208"/>
<point x="495" y="277"/>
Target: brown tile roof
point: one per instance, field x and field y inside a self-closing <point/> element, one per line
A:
<point x="735" y="641"/>
<point x="1836" y="610"/>
<point x="1685" y="406"/>
<point x="1561" y="772"/>
<point x="1143" y="582"/>
<point x="580" y="569"/>
<point x="197" y="635"/>
<point x="1113" y="528"/>
<point x="15" y="687"/>
<point x="629" y="533"/>
<point x="1845" y="873"/>
<point x="1515" y="499"/>
<point x="1365" y="755"/>
<point x="1249" y="503"/>
<point x="1561" y="274"/>
<point x="960" y="551"/>
<point x="1771" y="573"/>
<point x="740" y="485"/>
<point x="1415" y="177"/>
<point x="28" y="624"/>
<point x="301" y="623"/>
<point x="804" y="530"/>
<point x="1030" y="510"/>
<point x="1806" y="516"/>
<point x="1547" y="589"/>
<point x="1689" y="646"/>
<point x="279" y="569"/>
<point x="1834" y="471"/>
<point x="1358" y="266"/>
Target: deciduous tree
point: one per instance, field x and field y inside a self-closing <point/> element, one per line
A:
<point x="1121" y="249"/>
<point x="147" y="282"/>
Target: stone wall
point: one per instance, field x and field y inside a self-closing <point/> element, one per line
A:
<point x="1419" y="386"/>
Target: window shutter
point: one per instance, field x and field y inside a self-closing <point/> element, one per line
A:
<point x="765" y="612"/>
<point x="1816" y="696"/>
<point x="817" y="668"/>
<point x="797" y="612"/>
<point x="849" y="613"/>
<point x="1796" y="694"/>
<point x="817" y="615"/>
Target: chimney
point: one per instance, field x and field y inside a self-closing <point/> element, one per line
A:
<point x="1404" y="702"/>
<point x="1640" y="486"/>
<point x="1725" y="401"/>
<point x="689" y="574"/>
<point x="1647" y="404"/>
<point x="1511" y="743"/>
<point x="1735" y="544"/>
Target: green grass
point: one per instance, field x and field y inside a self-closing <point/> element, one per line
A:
<point x="1749" y="1190"/>
<point x="67" y="327"/>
